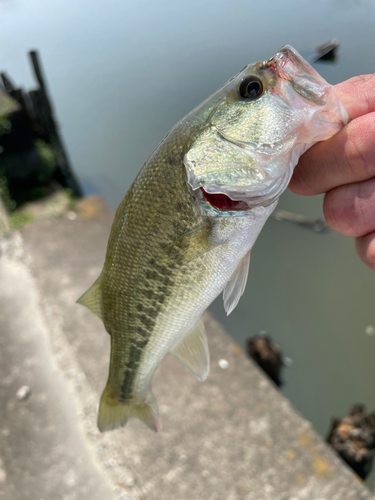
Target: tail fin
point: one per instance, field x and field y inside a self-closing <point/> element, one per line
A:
<point x="114" y="414"/>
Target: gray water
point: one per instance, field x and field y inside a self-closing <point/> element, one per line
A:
<point x="123" y="73"/>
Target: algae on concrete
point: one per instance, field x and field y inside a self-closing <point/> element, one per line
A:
<point x="49" y="207"/>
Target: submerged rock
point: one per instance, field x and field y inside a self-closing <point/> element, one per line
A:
<point x="353" y="438"/>
<point x="267" y="355"/>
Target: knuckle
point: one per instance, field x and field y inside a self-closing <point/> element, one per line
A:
<point x="365" y="247"/>
<point x="340" y="212"/>
<point x="364" y="83"/>
<point x="306" y="178"/>
<point x="370" y="255"/>
<point x="350" y="209"/>
<point x="360" y="149"/>
<point x="299" y="183"/>
<point x="368" y="83"/>
<point x="367" y="80"/>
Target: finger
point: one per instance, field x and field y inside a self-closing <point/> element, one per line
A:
<point x="347" y="157"/>
<point x="357" y="95"/>
<point x="365" y="247"/>
<point x="350" y="209"/>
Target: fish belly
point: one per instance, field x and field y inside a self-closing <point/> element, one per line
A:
<point x="198" y="284"/>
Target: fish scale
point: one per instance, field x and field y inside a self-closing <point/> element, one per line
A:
<point x="134" y="257"/>
<point x="184" y="231"/>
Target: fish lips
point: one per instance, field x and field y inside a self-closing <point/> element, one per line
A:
<point x="230" y="197"/>
<point x="305" y="80"/>
<point x="243" y="198"/>
<point x="303" y="88"/>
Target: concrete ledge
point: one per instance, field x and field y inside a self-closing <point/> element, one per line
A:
<point x="232" y="437"/>
<point x="43" y="454"/>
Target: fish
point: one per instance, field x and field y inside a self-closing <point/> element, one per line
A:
<point x="184" y="231"/>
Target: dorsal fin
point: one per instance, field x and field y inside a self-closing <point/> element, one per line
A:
<point x="236" y="284"/>
<point x="92" y="298"/>
<point x="193" y="352"/>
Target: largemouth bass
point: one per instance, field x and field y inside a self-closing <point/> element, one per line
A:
<point x="184" y="231"/>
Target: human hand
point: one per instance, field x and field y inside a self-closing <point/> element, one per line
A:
<point x="343" y="167"/>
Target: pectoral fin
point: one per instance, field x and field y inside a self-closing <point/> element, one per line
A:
<point x="193" y="352"/>
<point x="92" y="298"/>
<point x="236" y="285"/>
<point x="191" y="245"/>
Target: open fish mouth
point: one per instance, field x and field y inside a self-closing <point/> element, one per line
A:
<point x="223" y="203"/>
<point x="230" y="199"/>
<point x="243" y="178"/>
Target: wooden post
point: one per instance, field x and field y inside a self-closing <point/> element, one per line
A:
<point x="44" y="109"/>
<point x="8" y="86"/>
<point x="4" y="224"/>
<point x="16" y="94"/>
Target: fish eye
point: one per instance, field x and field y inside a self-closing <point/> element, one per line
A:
<point x="251" y="88"/>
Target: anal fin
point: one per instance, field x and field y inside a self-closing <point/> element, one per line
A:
<point x="92" y="299"/>
<point x="193" y="352"/>
<point x="236" y="284"/>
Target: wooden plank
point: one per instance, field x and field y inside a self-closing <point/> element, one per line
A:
<point x="43" y="110"/>
<point x="4" y="223"/>
<point x="8" y="85"/>
<point x="18" y="95"/>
